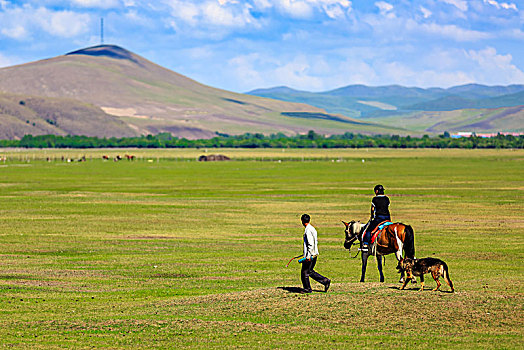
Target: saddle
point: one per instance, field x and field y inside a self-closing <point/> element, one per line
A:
<point x="378" y="230"/>
<point x="375" y="234"/>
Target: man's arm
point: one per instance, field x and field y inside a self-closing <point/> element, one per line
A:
<point x="308" y="244"/>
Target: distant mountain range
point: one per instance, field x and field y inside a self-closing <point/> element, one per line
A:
<point x="471" y="107"/>
<point x="107" y="91"/>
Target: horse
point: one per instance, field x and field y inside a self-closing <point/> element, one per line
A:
<point x="393" y="239"/>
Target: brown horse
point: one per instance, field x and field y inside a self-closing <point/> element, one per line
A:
<point x="393" y="239"/>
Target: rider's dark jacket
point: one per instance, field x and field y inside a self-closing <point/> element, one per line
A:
<point x="380" y="206"/>
<point x="379" y="213"/>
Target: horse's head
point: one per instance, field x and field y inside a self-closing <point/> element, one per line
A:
<point x="352" y="230"/>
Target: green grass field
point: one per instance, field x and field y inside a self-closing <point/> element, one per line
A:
<point x="167" y="252"/>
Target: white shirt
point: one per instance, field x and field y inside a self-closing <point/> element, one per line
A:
<point x="310" y="242"/>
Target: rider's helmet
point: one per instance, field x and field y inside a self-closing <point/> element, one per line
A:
<point x="379" y="189"/>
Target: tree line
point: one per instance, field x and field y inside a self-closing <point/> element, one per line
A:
<point x="278" y="140"/>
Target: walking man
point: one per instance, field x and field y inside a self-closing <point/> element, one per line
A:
<point x="310" y="257"/>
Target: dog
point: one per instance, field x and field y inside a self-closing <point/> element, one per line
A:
<point x="419" y="267"/>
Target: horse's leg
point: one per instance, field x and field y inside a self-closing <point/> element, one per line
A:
<point x="365" y="256"/>
<point x="379" y="265"/>
<point x="398" y="255"/>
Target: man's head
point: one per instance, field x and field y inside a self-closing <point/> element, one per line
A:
<point x="379" y="189"/>
<point x="305" y="218"/>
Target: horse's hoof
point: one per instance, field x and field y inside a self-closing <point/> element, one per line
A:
<point x="382" y="280"/>
<point x="401" y="280"/>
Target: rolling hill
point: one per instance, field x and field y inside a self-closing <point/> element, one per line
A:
<point x="22" y="114"/>
<point x="471" y="107"/>
<point x="123" y="94"/>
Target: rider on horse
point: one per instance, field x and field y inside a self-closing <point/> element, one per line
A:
<point x="379" y="213"/>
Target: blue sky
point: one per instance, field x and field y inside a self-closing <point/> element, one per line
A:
<point x="313" y="45"/>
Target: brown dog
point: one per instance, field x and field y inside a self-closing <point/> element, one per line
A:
<point x="419" y="267"/>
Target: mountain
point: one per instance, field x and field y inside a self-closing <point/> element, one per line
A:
<point x="410" y="107"/>
<point x="144" y="98"/>
<point x="505" y="119"/>
<point x="475" y="91"/>
<point x="21" y="115"/>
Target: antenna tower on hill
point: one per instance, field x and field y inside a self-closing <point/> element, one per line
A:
<point x="102" y="31"/>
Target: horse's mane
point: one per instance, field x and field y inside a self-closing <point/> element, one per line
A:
<point x="357" y="227"/>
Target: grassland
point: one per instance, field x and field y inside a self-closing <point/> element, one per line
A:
<point x="167" y="252"/>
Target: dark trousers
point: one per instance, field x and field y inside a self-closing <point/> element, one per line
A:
<point x="372" y="225"/>
<point x="307" y="271"/>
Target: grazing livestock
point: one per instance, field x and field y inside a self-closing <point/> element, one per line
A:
<point x="213" y="157"/>
<point x="130" y="157"/>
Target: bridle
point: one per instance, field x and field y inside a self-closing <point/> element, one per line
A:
<point x="352" y="239"/>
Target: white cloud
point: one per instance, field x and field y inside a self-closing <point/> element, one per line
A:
<point x="384" y="7"/>
<point x="257" y="70"/>
<point x="305" y="9"/>
<point x="460" y="4"/>
<point x="504" y="5"/>
<point x="15" y="32"/>
<point x="445" y="68"/>
<point x="105" y="4"/>
<point x="425" y="12"/>
<point x="297" y="73"/>
<point x="246" y="70"/>
<point x="223" y="2"/>
<point x="220" y="15"/>
<point x="452" y="31"/>
<point x="337" y="9"/>
<point x="516" y="33"/>
<point x="262" y="4"/>
<point x="509" y="6"/>
<point x="65" y="24"/>
<point x="185" y="11"/>
<point x="355" y="70"/>
<point x="23" y="22"/>
<point x="224" y="13"/>
<point x="494" y="68"/>
<point x="295" y="8"/>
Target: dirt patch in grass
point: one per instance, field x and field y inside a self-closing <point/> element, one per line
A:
<point x="150" y="237"/>
<point x="170" y="275"/>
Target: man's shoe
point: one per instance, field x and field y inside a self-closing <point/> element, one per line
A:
<point x="326" y="286"/>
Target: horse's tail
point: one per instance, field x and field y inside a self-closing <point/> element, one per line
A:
<point x="409" y="242"/>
